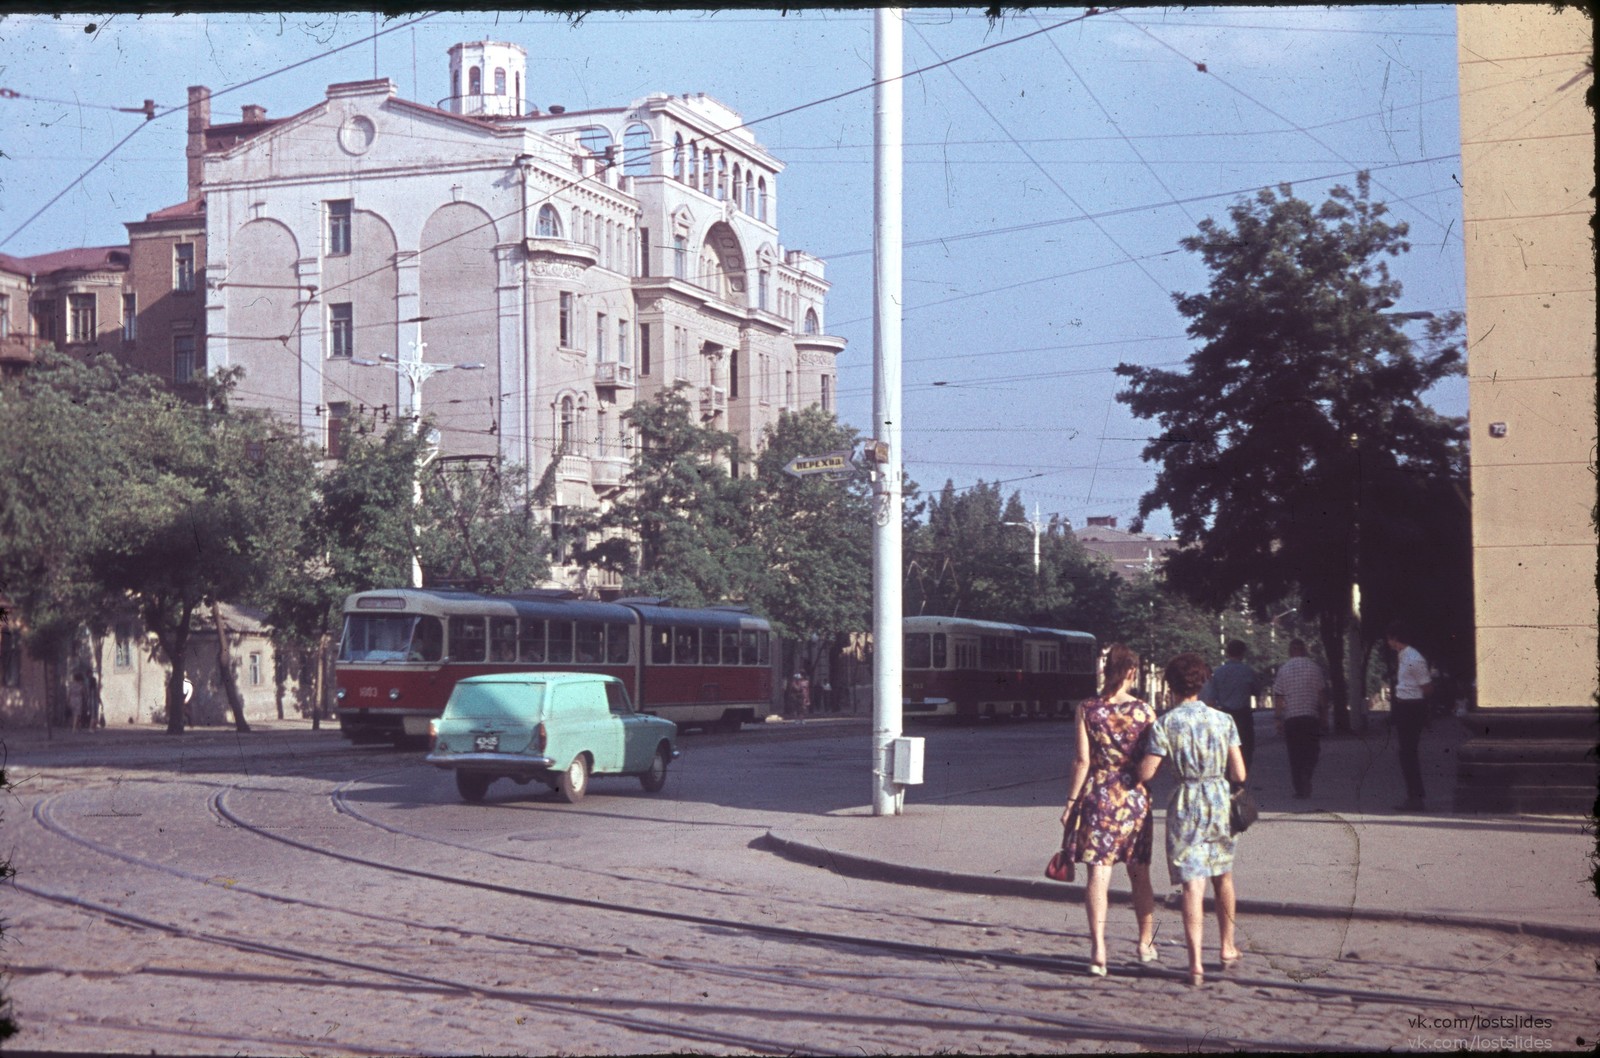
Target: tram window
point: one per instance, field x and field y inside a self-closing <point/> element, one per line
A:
<point x="616" y="645"/>
<point x="730" y="646"/>
<point x="1049" y="659"/>
<point x="918" y="651"/>
<point x="747" y="648"/>
<point x="560" y="651"/>
<point x="938" y="650"/>
<point x="686" y="646"/>
<point x="466" y="639"/>
<point x="502" y="639"/>
<point x="763" y="647"/>
<point x="531" y="644"/>
<point x="591" y="643"/>
<point x="709" y="641"/>
<point x="427" y="640"/>
<point x="660" y="646"/>
<point x="966" y="654"/>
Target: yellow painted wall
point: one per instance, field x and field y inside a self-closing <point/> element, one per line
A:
<point x="1527" y="157"/>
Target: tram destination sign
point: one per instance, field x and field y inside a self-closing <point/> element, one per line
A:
<point x="830" y="463"/>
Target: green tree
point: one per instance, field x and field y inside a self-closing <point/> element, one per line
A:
<point x="60" y="458"/>
<point x="1299" y="417"/>
<point x="199" y="516"/>
<point x="683" y="530"/>
<point x="479" y="529"/>
<point x="815" y="534"/>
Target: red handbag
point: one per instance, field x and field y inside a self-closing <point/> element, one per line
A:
<point x="1061" y="867"/>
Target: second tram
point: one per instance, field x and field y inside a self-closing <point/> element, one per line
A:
<point x="955" y="667"/>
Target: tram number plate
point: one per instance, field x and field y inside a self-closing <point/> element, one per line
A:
<point x="486" y="743"/>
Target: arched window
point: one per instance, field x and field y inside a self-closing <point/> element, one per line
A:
<point x="577" y="224"/>
<point x="474" y="81"/>
<point x="499" y="82"/>
<point x="694" y="166"/>
<point x="677" y="157"/>
<point x="588" y="228"/>
<point x="811" y="321"/>
<point x="518" y="101"/>
<point x="611" y="237"/>
<point x="722" y="177"/>
<point x="750" y="194"/>
<point x="705" y="171"/>
<point x="738" y="185"/>
<point x="549" y="226"/>
<point x="636" y="151"/>
<point x="761" y="199"/>
<point x="568" y="423"/>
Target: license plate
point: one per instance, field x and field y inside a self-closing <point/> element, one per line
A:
<point x="486" y="743"/>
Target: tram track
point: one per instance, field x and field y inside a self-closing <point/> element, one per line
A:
<point x="1033" y="1024"/>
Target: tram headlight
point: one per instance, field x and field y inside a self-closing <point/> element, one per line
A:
<point x="339" y="694"/>
<point x="394" y="694"/>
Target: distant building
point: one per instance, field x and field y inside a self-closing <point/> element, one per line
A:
<point x="164" y="321"/>
<point x="71" y="299"/>
<point x="1129" y="554"/>
<point x="587" y="259"/>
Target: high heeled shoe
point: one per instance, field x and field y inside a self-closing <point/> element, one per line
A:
<point x="1230" y="961"/>
<point x="1150" y="954"/>
<point x="1196" y="980"/>
<point x="1097" y="969"/>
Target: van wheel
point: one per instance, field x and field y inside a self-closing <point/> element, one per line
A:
<point x="575" y="780"/>
<point x="654" y="779"/>
<point x="472" y="786"/>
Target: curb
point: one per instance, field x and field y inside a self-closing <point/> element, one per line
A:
<point x="852" y="865"/>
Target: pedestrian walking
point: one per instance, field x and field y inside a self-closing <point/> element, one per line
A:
<point x="1300" y="704"/>
<point x="1107" y="816"/>
<point x="1408" y="714"/>
<point x="797" y="697"/>
<point x="1203" y="745"/>
<point x="1232" y="688"/>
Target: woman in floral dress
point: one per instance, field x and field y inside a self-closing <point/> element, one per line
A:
<point x="1203" y="745"/>
<point x="1108" y="815"/>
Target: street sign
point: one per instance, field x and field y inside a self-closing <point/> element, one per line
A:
<point x="831" y="463"/>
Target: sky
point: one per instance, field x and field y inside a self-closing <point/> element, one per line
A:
<point x="1048" y="178"/>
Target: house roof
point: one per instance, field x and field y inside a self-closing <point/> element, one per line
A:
<point x="195" y="207"/>
<point x="80" y="259"/>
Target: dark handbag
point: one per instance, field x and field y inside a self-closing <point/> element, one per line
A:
<point x="1061" y="867"/>
<point x="1242" y="810"/>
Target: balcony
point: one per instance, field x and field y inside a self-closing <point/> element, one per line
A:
<point x="575" y="468"/>
<point x="713" y="400"/>
<point x="612" y="375"/>
<point x="609" y="472"/>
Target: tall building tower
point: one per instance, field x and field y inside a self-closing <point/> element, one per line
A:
<point x="486" y="79"/>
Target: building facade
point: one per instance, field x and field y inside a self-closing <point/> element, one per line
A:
<point x="164" y="318"/>
<point x="1528" y="175"/>
<point x="586" y="260"/>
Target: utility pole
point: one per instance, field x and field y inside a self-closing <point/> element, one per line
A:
<point x="888" y="797"/>
<point x="415" y="372"/>
<point x="1038" y="528"/>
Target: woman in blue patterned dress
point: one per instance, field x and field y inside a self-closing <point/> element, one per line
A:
<point x="1203" y="745"/>
<point x="1108" y="815"/>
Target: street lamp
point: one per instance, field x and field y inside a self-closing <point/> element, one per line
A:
<point x="416" y="372"/>
<point x="1036" y="526"/>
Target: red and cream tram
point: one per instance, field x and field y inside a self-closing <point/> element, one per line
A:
<point x="403" y="651"/>
<point x="962" y="668"/>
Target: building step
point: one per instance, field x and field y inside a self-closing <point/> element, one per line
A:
<point x="1523" y="799"/>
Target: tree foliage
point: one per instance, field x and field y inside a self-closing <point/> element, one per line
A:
<point x="479" y="529"/>
<point x="683" y="530"/>
<point x="1296" y="430"/>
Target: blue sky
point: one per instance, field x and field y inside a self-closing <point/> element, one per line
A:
<point x="1048" y="180"/>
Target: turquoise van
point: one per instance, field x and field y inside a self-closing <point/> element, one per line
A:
<point x="560" y="728"/>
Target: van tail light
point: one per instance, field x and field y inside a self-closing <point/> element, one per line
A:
<point x="539" y="739"/>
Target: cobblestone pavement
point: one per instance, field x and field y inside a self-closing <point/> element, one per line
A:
<point x="338" y="902"/>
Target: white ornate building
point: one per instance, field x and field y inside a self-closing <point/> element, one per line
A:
<point x="586" y="259"/>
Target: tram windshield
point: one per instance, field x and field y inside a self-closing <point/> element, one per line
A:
<point x="391" y="637"/>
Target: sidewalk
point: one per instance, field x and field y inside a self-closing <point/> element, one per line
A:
<point x="1346" y="853"/>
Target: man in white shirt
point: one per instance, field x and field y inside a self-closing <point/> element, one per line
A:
<point x="1409" y="711"/>
<point x="1300" y="702"/>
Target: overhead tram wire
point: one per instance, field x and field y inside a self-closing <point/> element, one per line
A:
<point x="1201" y="68"/>
<point x="1046" y="173"/>
<point x="172" y="110"/>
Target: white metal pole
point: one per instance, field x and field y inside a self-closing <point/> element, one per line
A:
<point x="888" y="797"/>
<point x="412" y="372"/>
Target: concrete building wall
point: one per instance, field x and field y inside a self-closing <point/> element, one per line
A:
<point x="1528" y="152"/>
